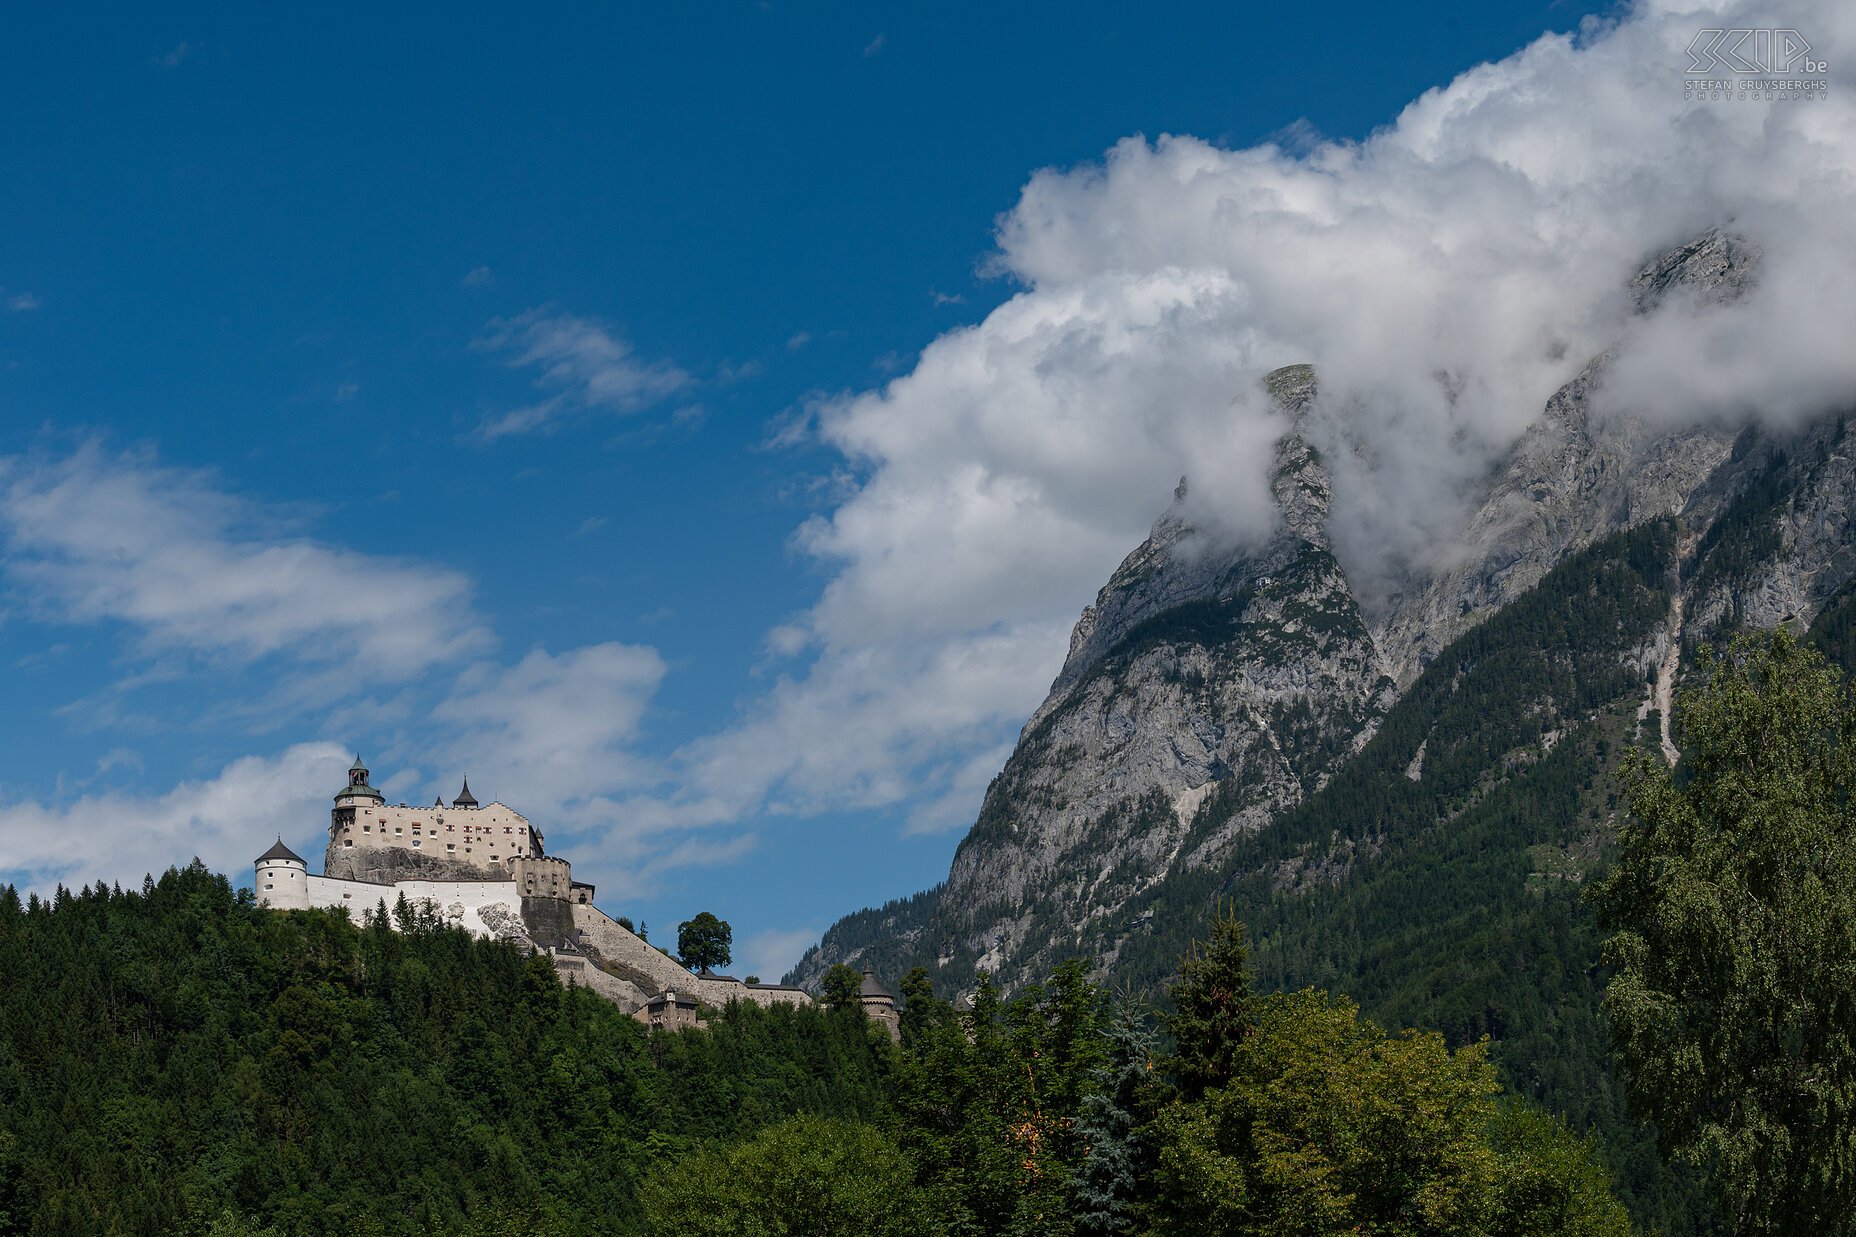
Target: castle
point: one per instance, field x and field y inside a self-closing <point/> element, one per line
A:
<point x="483" y="868"/>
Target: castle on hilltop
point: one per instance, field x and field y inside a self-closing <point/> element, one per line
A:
<point x="483" y="868"/>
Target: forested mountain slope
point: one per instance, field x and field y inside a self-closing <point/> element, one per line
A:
<point x="1443" y="774"/>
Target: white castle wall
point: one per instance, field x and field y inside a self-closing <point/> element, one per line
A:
<point x="460" y="903"/>
<point x="483" y="908"/>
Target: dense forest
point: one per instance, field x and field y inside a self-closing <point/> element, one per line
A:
<point x="1439" y="877"/>
<point x="173" y="1055"/>
<point x="176" y="1060"/>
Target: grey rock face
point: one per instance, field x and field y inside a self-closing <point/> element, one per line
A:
<point x="1571" y="479"/>
<point x="1248" y="668"/>
<point x="386" y="865"/>
<point x="1209" y="687"/>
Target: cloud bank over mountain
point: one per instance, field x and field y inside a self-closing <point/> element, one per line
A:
<point x="1445" y="275"/>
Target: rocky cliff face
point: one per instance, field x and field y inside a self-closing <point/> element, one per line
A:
<point x="1199" y="666"/>
<point x="1571" y="479"/>
<point x="387" y="865"/>
<point x="1210" y="688"/>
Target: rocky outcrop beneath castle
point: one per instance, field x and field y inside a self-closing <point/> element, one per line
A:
<point x="389" y="865"/>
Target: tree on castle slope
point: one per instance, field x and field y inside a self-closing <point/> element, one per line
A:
<point x="1734" y="910"/>
<point x="705" y="942"/>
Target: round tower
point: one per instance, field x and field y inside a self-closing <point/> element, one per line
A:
<point x="283" y="879"/>
<point x="357" y="791"/>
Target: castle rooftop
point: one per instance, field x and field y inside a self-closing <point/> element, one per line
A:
<point x="280" y="851"/>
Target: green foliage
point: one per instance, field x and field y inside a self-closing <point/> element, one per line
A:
<point x="842" y="987"/>
<point x="1115" y="1127"/>
<point x="806" y="1177"/>
<point x="179" y="1061"/>
<point x="1211" y="1008"/>
<point x="176" y="1060"/>
<point x="988" y="1102"/>
<point x="1329" y="1125"/>
<point x="705" y="942"/>
<point x="1734" y="909"/>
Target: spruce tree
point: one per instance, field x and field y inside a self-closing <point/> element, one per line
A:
<point x="1118" y="1157"/>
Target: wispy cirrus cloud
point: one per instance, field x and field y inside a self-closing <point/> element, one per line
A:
<point x="585" y="365"/>
<point x="98" y="537"/>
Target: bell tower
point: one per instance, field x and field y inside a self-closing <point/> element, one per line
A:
<point x="357" y="791"/>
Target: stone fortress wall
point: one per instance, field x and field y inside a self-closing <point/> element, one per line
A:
<point x="651" y="969"/>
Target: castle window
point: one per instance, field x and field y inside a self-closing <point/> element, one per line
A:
<point x="416" y="842"/>
<point x="367" y="828"/>
<point x="349" y="842"/>
<point x="451" y="845"/>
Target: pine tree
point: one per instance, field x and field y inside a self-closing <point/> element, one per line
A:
<point x="1211" y="1014"/>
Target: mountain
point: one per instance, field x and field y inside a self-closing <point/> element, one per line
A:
<point x="1401" y="794"/>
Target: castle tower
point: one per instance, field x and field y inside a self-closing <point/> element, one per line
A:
<point x="880" y="1003"/>
<point x="283" y="879"/>
<point x="356" y="792"/>
<point x="465" y="799"/>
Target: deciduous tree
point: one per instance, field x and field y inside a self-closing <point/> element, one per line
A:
<point x="705" y="942"/>
<point x="1733" y="908"/>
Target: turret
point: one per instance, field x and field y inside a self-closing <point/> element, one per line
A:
<point x="283" y="879"/>
<point x="357" y="789"/>
<point x="880" y="1003"/>
<point x="465" y="798"/>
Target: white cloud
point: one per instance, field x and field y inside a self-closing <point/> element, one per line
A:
<point x="1445" y="275"/>
<point x="773" y="952"/>
<point x="226" y="820"/>
<point x="478" y="277"/>
<point x="584" y="363"/>
<point x="551" y="733"/>
<point x="22" y="302"/>
<point x="96" y="537"/>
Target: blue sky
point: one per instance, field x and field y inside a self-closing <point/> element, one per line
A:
<point x="479" y="390"/>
